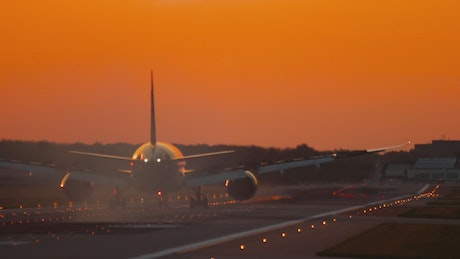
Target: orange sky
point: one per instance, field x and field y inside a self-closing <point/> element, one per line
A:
<point x="332" y="74"/>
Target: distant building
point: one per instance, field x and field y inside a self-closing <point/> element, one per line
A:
<point x="397" y="171"/>
<point x="438" y="161"/>
<point x="439" y="148"/>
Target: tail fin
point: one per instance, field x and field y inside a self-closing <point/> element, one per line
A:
<point x="153" y="137"/>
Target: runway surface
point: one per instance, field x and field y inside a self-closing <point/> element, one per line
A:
<point x="298" y="224"/>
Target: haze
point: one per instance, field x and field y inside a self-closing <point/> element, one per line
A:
<point x="332" y="74"/>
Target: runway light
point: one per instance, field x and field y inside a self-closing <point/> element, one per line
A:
<point x="334" y="219"/>
<point x="299" y="230"/>
<point x="324" y="222"/>
<point x="283" y="234"/>
<point x="242" y="247"/>
<point x="312" y="226"/>
<point x="264" y="240"/>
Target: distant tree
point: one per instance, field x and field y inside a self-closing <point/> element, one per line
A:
<point x="343" y="170"/>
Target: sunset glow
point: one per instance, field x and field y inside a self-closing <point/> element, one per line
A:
<point x="331" y="74"/>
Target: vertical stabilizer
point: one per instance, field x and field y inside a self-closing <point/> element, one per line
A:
<point x="153" y="134"/>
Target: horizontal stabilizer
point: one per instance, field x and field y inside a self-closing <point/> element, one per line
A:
<point x="102" y="155"/>
<point x="203" y="155"/>
<point x="174" y="159"/>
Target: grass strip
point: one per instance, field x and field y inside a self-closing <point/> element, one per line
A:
<point x="433" y="213"/>
<point x="400" y="240"/>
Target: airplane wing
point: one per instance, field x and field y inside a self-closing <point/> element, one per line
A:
<point x="183" y="158"/>
<point x="45" y="170"/>
<point x="278" y="166"/>
<point x="78" y="175"/>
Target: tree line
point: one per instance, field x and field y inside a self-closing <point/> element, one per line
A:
<point x="354" y="169"/>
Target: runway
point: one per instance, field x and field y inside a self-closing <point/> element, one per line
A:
<point x="297" y="225"/>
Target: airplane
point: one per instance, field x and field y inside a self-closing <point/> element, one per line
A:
<point x="158" y="167"/>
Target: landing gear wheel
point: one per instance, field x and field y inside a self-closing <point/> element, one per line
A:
<point x="163" y="203"/>
<point x="117" y="200"/>
<point x="204" y="202"/>
<point x="201" y="201"/>
<point x="193" y="202"/>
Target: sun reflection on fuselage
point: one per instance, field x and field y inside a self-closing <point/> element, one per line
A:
<point x="155" y="168"/>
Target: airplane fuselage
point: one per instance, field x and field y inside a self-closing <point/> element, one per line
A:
<point x="155" y="168"/>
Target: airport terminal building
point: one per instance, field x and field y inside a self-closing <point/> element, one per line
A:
<point x="438" y="161"/>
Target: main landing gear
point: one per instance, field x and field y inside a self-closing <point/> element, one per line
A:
<point x="200" y="201"/>
<point x="162" y="200"/>
<point x="117" y="200"/>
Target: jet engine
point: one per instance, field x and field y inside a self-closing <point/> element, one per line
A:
<point x="243" y="188"/>
<point x="76" y="190"/>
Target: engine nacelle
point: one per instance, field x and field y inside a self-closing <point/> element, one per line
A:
<point x="244" y="188"/>
<point x="76" y="190"/>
